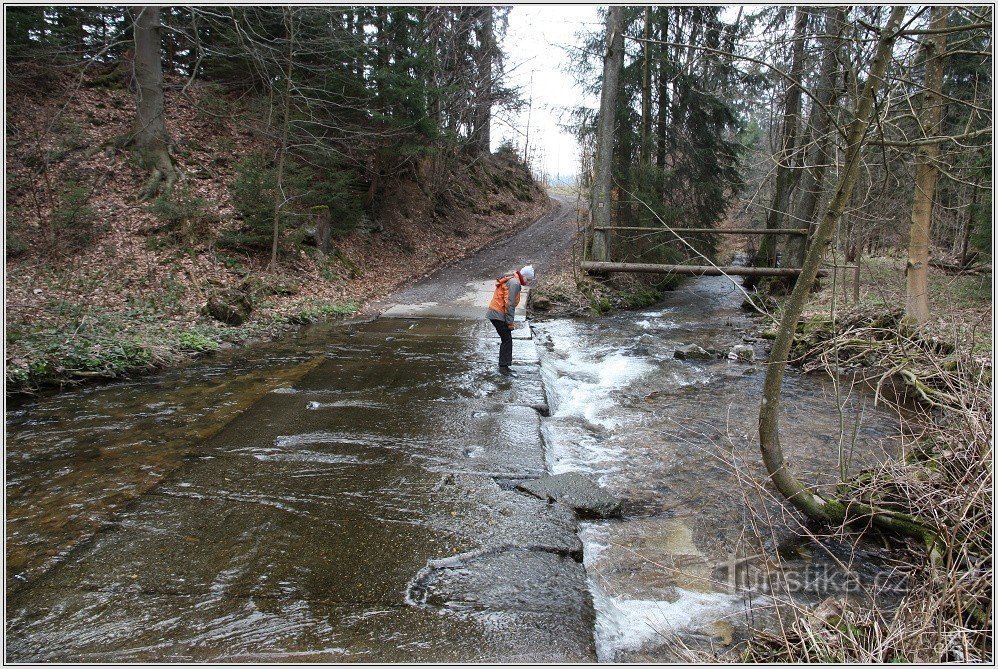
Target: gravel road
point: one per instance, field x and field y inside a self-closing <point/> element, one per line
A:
<point x="538" y="244"/>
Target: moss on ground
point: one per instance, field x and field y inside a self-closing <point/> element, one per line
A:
<point x="105" y="344"/>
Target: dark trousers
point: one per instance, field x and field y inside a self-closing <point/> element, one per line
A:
<point x="506" y="347"/>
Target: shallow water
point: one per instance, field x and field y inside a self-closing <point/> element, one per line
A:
<point x="289" y="512"/>
<point x="76" y="458"/>
<point x="677" y="441"/>
<point x="347" y="494"/>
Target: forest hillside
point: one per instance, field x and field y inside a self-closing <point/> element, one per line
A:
<point x="103" y="277"/>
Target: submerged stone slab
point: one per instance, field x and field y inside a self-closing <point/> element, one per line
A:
<point x="539" y="589"/>
<point x="504" y="519"/>
<point x="576" y="491"/>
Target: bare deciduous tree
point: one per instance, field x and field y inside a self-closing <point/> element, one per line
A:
<point x="926" y="173"/>
<point x="804" y="498"/>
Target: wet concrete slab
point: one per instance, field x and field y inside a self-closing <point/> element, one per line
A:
<point x="261" y="630"/>
<point x="297" y="531"/>
<point x="470" y="303"/>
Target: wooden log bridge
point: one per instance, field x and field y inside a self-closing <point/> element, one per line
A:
<point x="711" y="231"/>
<point x="696" y="270"/>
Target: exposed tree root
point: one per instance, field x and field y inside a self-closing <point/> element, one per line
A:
<point x="164" y="176"/>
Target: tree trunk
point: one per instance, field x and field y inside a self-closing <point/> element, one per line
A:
<point x="803" y="498"/>
<point x="663" y="87"/>
<point x="646" y="94"/>
<point x="786" y="176"/>
<point x="820" y="120"/>
<point x="150" y="134"/>
<point x="482" y="143"/>
<point x="676" y="87"/>
<point x="850" y="243"/>
<point x="279" y="199"/>
<point x="968" y="226"/>
<point x="602" y="189"/>
<point x="360" y="29"/>
<point x="382" y="47"/>
<point x="926" y="172"/>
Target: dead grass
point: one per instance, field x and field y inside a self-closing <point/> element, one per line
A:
<point x="962" y="306"/>
<point x="941" y="387"/>
<point x="943" y="477"/>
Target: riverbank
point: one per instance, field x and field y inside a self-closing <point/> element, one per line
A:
<point x="64" y="326"/>
<point x="937" y="381"/>
<point x="565" y="291"/>
<point x="82" y="320"/>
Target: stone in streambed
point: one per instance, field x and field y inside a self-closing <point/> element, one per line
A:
<point x="692" y="352"/>
<point x="539" y="303"/>
<point x="575" y="491"/>
<point x="742" y="352"/>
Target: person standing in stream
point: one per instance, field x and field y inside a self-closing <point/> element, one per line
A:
<point x="502" y="309"/>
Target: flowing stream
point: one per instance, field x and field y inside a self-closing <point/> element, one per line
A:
<point x="699" y="556"/>
<point x="347" y="493"/>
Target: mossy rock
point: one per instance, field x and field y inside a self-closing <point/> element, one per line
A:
<point x="640" y="298"/>
<point x="765" y="302"/>
<point x="540" y="303"/>
<point x="815" y="328"/>
<point x="232" y="307"/>
<point x="264" y="286"/>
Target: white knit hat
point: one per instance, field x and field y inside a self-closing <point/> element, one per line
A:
<point x="527" y="272"/>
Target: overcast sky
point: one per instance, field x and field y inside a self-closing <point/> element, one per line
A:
<point x="534" y="44"/>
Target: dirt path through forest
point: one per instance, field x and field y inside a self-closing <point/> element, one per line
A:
<point x="455" y="291"/>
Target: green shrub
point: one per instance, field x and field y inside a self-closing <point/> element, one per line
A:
<point x="507" y="150"/>
<point x="981" y="224"/>
<point x="98" y="343"/>
<point x="331" y="187"/>
<point x="316" y="182"/>
<point x="599" y="305"/>
<point x="197" y="342"/>
<point x="639" y="298"/>
<point x="73" y="220"/>
<point x="253" y="192"/>
<point x="321" y="311"/>
<point x="231" y="263"/>
<point x="15" y="241"/>
<point x="189" y="217"/>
